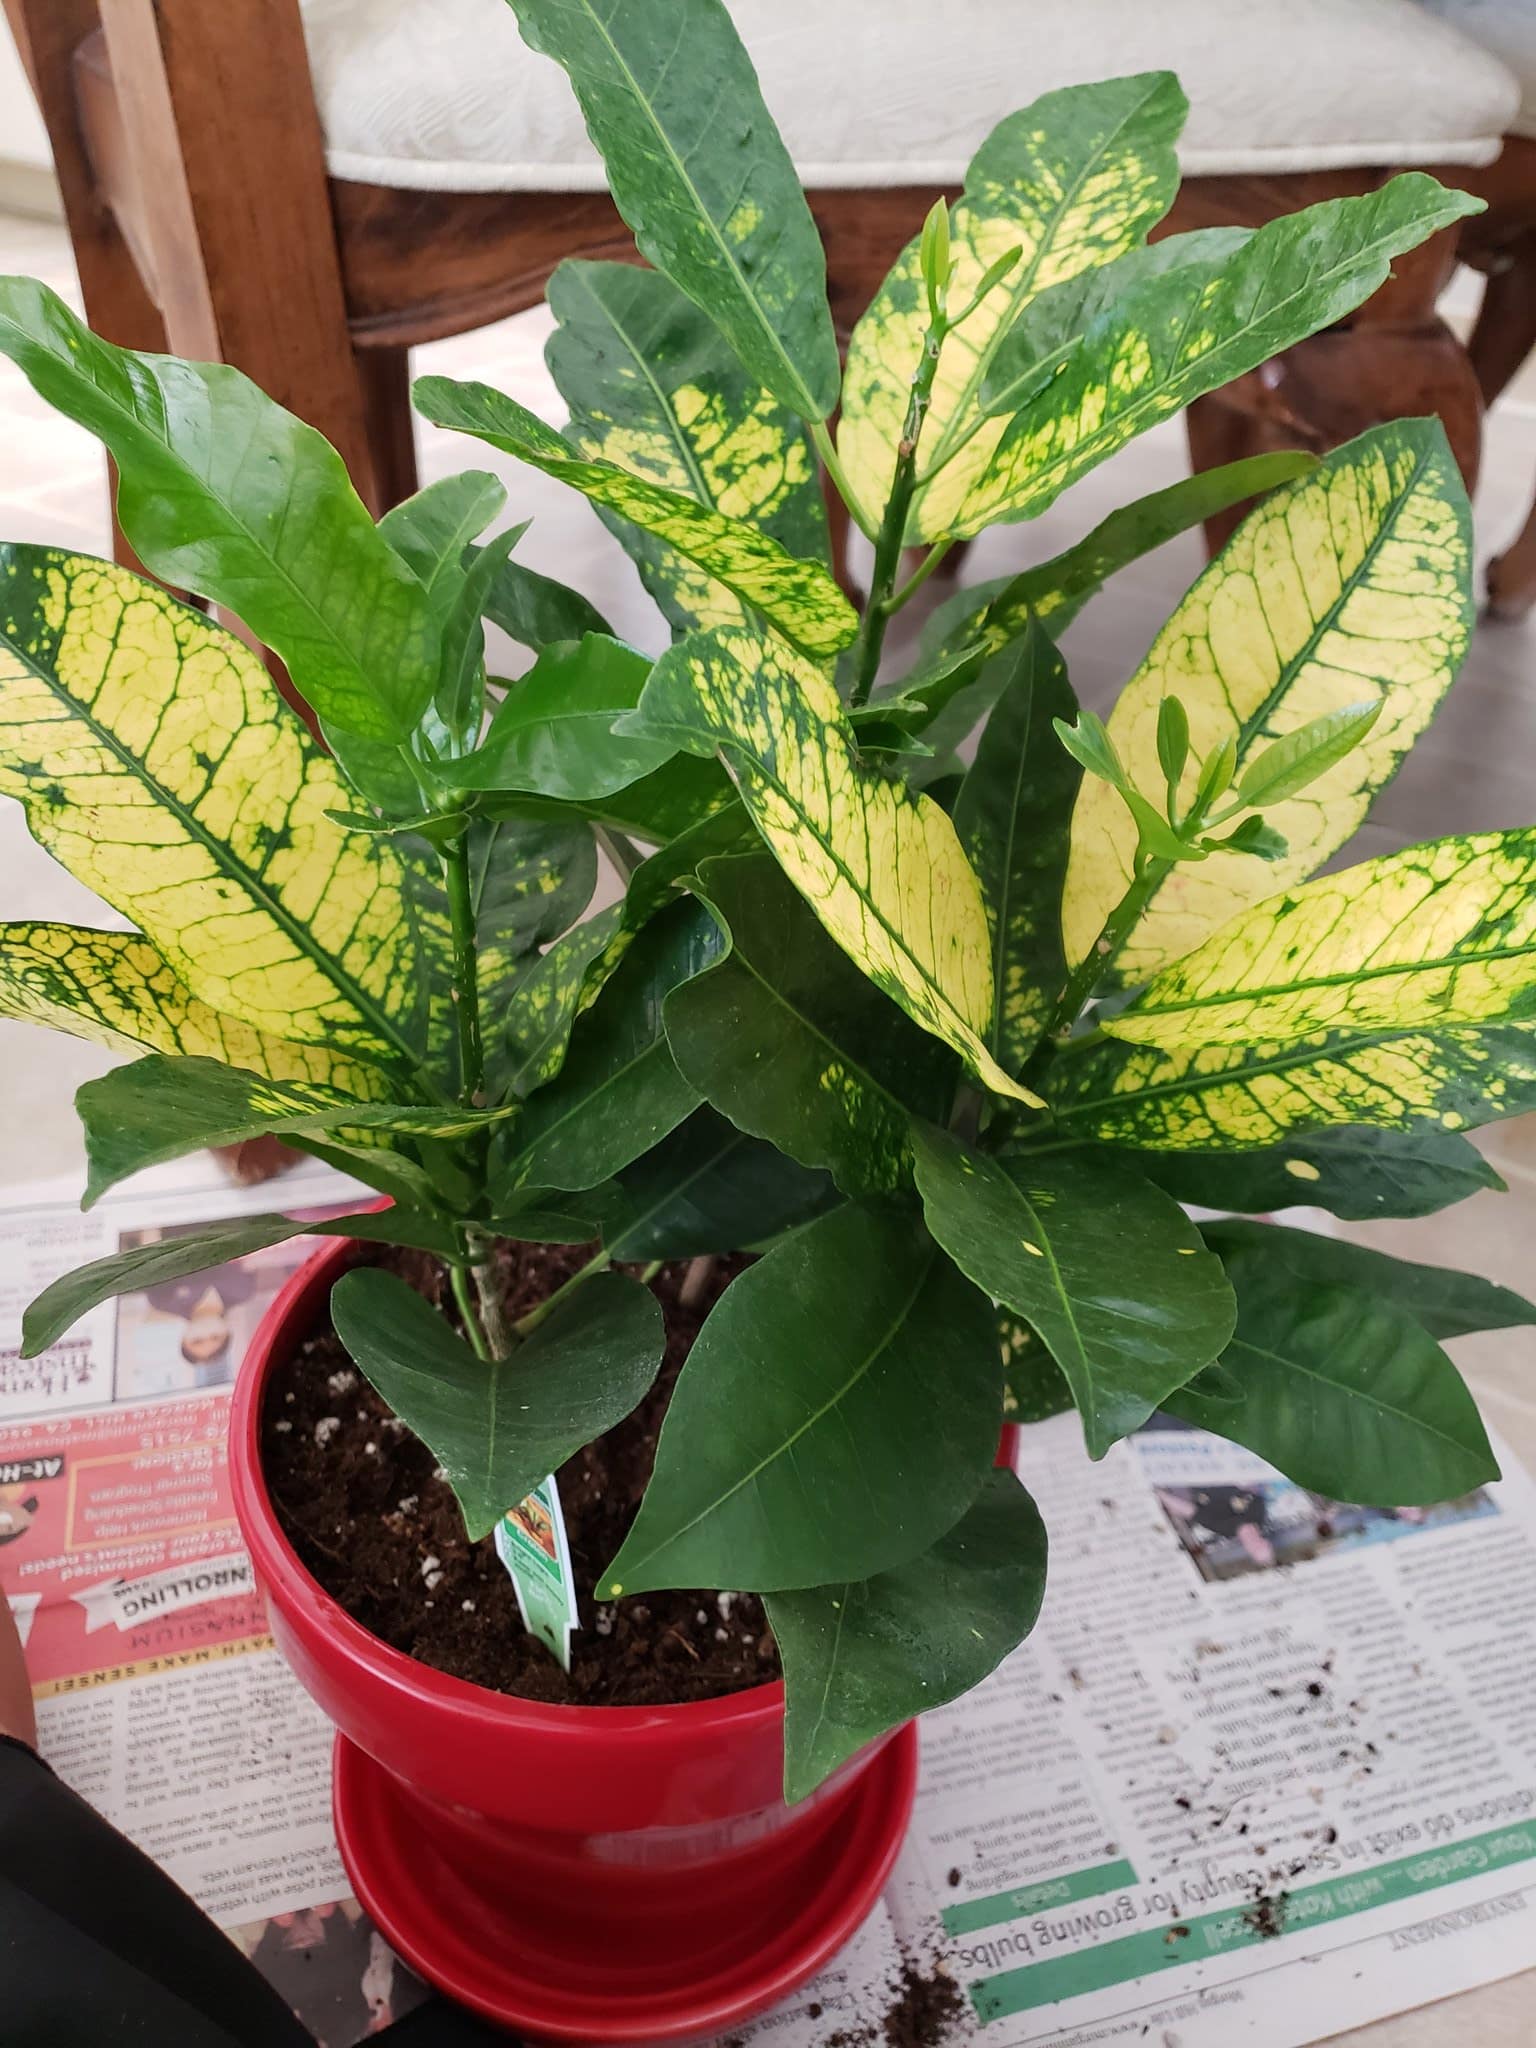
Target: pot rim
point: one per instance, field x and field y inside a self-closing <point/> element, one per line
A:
<point x="278" y="1565"/>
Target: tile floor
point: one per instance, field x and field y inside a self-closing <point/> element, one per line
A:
<point x="1476" y="770"/>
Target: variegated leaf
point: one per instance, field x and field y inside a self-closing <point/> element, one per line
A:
<point x="157" y="762"/>
<point x="1244" y="1097"/>
<point x="700" y="172"/>
<point x="160" y="1108"/>
<point x="1189" y="328"/>
<point x="878" y="863"/>
<point x="114" y="988"/>
<point x="653" y="387"/>
<point x="1071" y="182"/>
<point x="530" y="879"/>
<point x="799" y="598"/>
<point x="1436" y="936"/>
<point x="529" y="1033"/>
<point x="1351" y="585"/>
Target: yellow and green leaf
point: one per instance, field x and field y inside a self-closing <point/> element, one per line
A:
<point x="797" y="597"/>
<point x="1350" y="585"/>
<point x="653" y="387"/>
<point x="1191" y="321"/>
<point x="157" y="762"/>
<point x="1435" y="937"/>
<point x="114" y="988"/>
<point x="1242" y="1098"/>
<point x="161" y="1108"/>
<point x="1071" y="182"/>
<point x="880" y="864"/>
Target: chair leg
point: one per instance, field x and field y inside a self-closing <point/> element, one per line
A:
<point x="384" y="375"/>
<point x="235" y="213"/>
<point x="1506" y="322"/>
<point x="1334" y="386"/>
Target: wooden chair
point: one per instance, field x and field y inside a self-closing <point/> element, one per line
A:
<point x="205" y="219"/>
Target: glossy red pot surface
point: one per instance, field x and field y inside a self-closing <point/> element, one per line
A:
<point x="579" y="1873"/>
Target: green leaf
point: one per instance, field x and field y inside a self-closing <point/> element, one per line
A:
<point x="1186" y="331"/>
<point x="499" y="1427"/>
<point x="1287" y="766"/>
<point x="619" y="1090"/>
<point x="653" y="387"/>
<point x="862" y="1656"/>
<point x="1106" y="1268"/>
<point x="1354" y="1173"/>
<point x="799" y="598"/>
<point x="795" y="1044"/>
<point x="459" y="703"/>
<point x="879" y="864"/>
<point x="1434" y="937"/>
<point x="660" y="807"/>
<point x="1345" y="1393"/>
<point x="708" y="1187"/>
<point x="432" y="531"/>
<point x="1072" y="180"/>
<point x="1253" y="836"/>
<point x="1351" y="585"/>
<point x="697" y="168"/>
<point x="161" y="1107"/>
<point x="1014" y="817"/>
<point x="529" y="881"/>
<point x="157" y="762"/>
<point x="224" y="493"/>
<point x="1172" y="740"/>
<point x="114" y="988"/>
<point x="837" y="1414"/>
<point x="536" y="611"/>
<point x="1444" y="1302"/>
<point x="553" y="730"/>
<point x="74" y="1294"/>
<point x="1091" y="747"/>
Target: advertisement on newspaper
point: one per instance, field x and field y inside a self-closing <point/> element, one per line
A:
<point x="1266" y="1768"/>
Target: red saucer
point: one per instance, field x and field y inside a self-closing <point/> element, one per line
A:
<point x="488" y="1955"/>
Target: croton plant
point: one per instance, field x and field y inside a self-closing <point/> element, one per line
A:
<point x="948" y="1032"/>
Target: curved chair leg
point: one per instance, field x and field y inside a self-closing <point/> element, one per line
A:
<point x="1504" y="336"/>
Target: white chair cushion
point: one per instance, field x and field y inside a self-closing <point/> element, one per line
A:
<point x="444" y="94"/>
<point x="1508" y="28"/>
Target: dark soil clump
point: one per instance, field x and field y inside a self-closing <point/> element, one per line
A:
<point x="363" y="1504"/>
<point x="926" y="2009"/>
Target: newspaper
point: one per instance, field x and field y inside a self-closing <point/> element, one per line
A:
<point x="1265" y="1770"/>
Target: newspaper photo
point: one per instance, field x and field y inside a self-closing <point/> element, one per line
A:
<point x="1265" y="1769"/>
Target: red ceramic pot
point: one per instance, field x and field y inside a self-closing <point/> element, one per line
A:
<point x="589" y="1874"/>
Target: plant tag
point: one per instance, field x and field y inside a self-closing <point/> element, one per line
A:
<point x="531" y="1543"/>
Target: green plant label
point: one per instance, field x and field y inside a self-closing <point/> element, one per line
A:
<point x="531" y="1543"/>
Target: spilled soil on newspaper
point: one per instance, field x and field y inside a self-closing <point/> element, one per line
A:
<point x="365" y="1506"/>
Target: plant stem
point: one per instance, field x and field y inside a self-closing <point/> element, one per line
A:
<point x="1101" y="955"/>
<point x="822" y="440"/>
<point x="466" y="989"/>
<point x="459" y="1280"/>
<point x="526" y="1325"/>
<point x="893" y="526"/>
<point x="620" y="849"/>
<point x="920" y="575"/>
<point x="482" y="1313"/>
